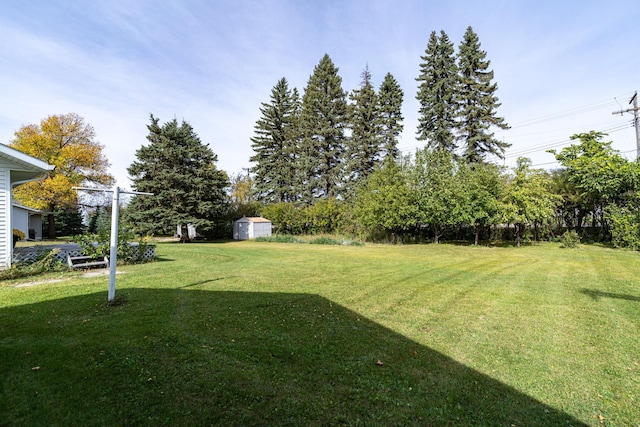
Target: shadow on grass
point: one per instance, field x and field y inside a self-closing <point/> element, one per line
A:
<point x="194" y="357"/>
<point x="596" y="295"/>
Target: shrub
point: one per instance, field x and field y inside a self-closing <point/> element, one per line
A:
<point x="569" y="239"/>
<point x="625" y="227"/>
<point x="279" y="238"/>
<point x="18" y="234"/>
<point x="45" y="263"/>
<point x="99" y="245"/>
<point x="324" y="241"/>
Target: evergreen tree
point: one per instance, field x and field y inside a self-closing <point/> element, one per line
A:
<point x="437" y="94"/>
<point x="390" y="97"/>
<point x="365" y="143"/>
<point x="274" y="144"/>
<point x="181" y="173"/>
<point x="323" y="119"/>
<point x="478" y="102"/>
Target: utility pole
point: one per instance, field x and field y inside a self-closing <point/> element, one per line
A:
<point x="636" y="121"/>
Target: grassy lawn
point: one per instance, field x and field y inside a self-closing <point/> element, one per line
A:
<point x="249" y="333"/>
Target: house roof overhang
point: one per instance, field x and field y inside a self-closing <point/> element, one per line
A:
<point x="24" y="168"/>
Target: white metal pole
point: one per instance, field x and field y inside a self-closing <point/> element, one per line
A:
<point x="113" y="255"/>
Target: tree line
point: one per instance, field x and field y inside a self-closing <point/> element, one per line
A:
<point x="327" y="161"/>
<point x="326" y="143"/>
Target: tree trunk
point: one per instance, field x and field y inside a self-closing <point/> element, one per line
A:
<point x="476" y="230"/>
<point x="51" y="226"/>
<point x="517" y="235"/>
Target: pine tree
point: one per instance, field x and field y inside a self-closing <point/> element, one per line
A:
<point x="323" y="119"/>
<point x="275" y="148"/>
<point x="478" y="102"/>
<point x="390" y="97"/>
<point x="364" y="144"/>
<point x="181" y="173"/>
<point x="437" y="94"/>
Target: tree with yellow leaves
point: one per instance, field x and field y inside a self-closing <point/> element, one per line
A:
<point x="68" y="143"/>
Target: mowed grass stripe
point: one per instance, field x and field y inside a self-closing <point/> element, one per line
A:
<point x="250" y="333"/>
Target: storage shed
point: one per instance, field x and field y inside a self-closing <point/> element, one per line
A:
<point x="251" y="227"/>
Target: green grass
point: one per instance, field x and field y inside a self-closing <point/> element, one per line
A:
<point x="253" y="333"/>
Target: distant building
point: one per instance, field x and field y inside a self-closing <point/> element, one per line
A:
<point x="27" y="220"/>
<point x="251" y="227"/>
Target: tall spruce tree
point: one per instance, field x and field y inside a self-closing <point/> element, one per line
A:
<point x="478" y="102"/>
<point x="275" y="148"/>
<point x="365" y="142"/>
<point x="323" y="118"/>
<point x="437" y="94"/>
<point x="181" y="173"/>
<point x="390" y="97"/>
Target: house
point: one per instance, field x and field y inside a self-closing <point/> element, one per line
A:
<point x="251" y="227"/>
<point x="27" y="220"/>
<point x="15" y="168"/>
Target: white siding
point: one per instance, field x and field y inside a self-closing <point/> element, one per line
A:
<point x="20" y="220"/>
<point x="241" y="229"/>
<point x="260" y="229"/>
<point x="6" y="234"/>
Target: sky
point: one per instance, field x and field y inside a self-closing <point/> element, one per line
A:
<point x="562" y="67"/>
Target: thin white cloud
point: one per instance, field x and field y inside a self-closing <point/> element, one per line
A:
<point x="213" y="63"/>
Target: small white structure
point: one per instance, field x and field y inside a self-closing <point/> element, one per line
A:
<point x="27" y="220"/>
<point x="251" y="227"/>
<point x="15" y="168"/>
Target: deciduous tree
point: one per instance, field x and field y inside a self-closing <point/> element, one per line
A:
<point x="527" y="198"/>
<point x="385" y="204"/>
<point x="69" y="143"/>
<point x="440" y="200"/>
<point x="600" y="174"/>
<point x="482" y="189"/>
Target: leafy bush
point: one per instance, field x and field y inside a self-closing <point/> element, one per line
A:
<point x="45" y="263"/>
<point x="18" y="234"/>
<point x="569" y="239"/>
<point x="279" y="238"/>
<point x="99" y="245"/>
<point x="625" y="227"/>
<point x="324" y="241"/>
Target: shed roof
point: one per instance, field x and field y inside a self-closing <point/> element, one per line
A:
<point x="253" y="219"/>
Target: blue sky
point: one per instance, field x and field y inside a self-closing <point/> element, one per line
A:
<point x="562" y="67"/>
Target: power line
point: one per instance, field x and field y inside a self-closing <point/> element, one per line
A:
<point x="570" y="112"/>
<point x="548" y="145"/>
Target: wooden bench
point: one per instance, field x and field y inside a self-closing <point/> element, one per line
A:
<point x="87" y="261"/>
